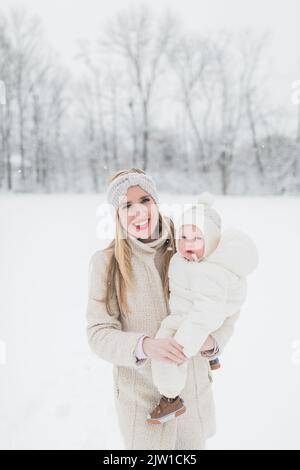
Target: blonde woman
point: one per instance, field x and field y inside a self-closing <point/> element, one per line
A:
<point x="127" y="300"/>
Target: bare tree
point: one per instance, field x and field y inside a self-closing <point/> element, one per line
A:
<point x="190" y="59"/>
<point x="26" y="34"/>
<point x="252" y="49"/>
<point x="6" y="74"/>
<point x="114" y="113"/>
<point x="92" y="99"/>
<point x="32" y="117"/>
<point x="230" y="84"/>
<point x="54" y="121"/>
<point x="141" y="41"/>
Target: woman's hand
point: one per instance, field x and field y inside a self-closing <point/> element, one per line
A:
<point x="165" y="350"/>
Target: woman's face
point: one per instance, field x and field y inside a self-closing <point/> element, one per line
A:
<point x="138" y="213"/>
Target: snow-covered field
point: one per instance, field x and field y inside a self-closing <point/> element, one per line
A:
<point x="56" y="394"/>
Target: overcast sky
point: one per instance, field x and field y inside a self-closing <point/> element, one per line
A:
<point x="66" y="21"/>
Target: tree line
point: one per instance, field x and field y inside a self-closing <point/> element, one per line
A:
<point x="193" y="109"/>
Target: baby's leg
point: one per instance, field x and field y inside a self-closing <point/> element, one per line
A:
<point x="193" y="331"/>
<point x="169" y="378"/>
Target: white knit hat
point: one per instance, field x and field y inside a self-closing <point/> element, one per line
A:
<point x="119" y="186"/>
<point x="206" y="218"/>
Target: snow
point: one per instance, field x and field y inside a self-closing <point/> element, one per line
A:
<point x="56" y="394"/>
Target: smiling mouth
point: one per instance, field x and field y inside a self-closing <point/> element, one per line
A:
<point x="142" y="225"/>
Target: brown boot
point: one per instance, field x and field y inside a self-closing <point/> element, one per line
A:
<point x="215" y="364"/>
<point x="166" y="410"/>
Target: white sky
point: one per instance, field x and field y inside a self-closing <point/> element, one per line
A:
<point x="65" y="21"/>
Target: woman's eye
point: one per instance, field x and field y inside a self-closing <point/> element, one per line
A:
<point x="147" y="199"/>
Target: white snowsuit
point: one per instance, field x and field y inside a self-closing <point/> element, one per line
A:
<point x="202" y="296"/>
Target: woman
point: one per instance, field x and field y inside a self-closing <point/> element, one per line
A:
<point x="127" y="299"/>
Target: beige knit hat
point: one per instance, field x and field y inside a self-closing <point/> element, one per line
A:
<point x="206" y="218"/>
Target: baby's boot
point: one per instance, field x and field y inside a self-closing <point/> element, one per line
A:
<point x="167" y="409"/>
<point x="215" y="364"/>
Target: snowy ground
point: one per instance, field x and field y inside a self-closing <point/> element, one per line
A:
<point x="56" y="394"/>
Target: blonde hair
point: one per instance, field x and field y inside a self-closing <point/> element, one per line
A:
<point x="119" y="273"/>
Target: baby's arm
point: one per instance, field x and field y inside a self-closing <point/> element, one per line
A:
<point x="225" y="331"/>
<point x="223" y="334"/>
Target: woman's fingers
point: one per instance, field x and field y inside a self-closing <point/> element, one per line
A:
<point x="178" y="353"/>
<point x="174" y="358"/>
<point x="178" y="347"/>
<point x="169" y="351"/>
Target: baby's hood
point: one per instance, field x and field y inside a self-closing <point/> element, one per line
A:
<point x="235" y="252"/>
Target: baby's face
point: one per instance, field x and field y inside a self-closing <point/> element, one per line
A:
<point x="191" y="242"/>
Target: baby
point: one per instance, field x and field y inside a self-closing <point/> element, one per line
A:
<point x="207" y="279"/>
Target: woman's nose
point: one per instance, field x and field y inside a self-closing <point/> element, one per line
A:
<point x="139" y="210"/>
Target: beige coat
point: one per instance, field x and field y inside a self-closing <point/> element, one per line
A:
<point x="114" y="338"/>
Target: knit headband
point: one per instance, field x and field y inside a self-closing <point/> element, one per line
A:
<point x="119" y="186"/>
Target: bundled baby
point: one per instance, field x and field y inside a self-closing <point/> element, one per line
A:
<point x="207" y="280"/>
